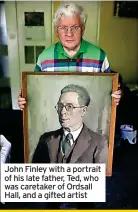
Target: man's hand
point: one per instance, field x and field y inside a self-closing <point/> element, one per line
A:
<point x="117" y="95"/>
<point x="21" y="100"/>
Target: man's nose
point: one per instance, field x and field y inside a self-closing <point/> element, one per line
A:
<point x="69" y="32"/>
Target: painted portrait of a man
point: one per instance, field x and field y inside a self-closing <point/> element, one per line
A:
<point x="73" y="142"/>
<point x="69" y="118"/>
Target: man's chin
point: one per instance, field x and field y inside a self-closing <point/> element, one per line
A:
<point x="64" y="125"/>
<point x="70" y="46"/>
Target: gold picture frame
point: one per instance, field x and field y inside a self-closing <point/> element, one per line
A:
<point x="42" y="90"/>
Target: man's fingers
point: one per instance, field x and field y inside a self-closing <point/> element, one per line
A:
<point x="21" y="107"/>
<point x="20" y="92"/>
<point x="22" y="102"/>
<point x="118" y="92"/>
<point x="117" y="101"/>
<point x="21" y="99"/>
<point x="117" y="96"/>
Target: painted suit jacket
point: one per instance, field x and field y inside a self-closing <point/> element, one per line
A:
<point x="89" y="147"/>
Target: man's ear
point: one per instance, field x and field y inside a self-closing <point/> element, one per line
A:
<point x="56" y="31"/>
<point x="84" y="109"/>
<point x="83" y="29"/>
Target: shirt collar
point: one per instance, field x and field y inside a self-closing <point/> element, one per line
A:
<point x="82" y="48"/>
<point x="75" y="133"/>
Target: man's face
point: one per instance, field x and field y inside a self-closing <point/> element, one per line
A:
<point x="70" y="118"/>
<point x="70" y="39"/>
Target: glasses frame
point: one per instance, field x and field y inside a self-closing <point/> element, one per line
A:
<point x="65" y="29"/>
<point x="68" y="110"/>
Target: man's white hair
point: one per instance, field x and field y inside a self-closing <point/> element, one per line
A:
<point x="68" y="9"/>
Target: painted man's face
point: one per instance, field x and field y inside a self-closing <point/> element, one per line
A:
<point x="70" y="112"/>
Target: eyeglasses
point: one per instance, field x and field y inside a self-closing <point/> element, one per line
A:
<point x="66" y="28"/>
<point x="69" y="107"/>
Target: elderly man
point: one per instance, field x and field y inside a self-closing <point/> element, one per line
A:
<point x="73" y="142"/>
<point x="72" y="53"/>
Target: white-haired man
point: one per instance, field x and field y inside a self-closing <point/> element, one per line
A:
<point x="72" y="53"/>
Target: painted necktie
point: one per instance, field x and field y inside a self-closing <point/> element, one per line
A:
<point x="66" y="144"/>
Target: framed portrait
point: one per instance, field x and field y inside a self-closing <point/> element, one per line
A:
<point x="40" y="116"/>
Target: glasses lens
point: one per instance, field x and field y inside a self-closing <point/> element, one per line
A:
<point x="69" y="107"/>
<point x="59" y="107"/>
